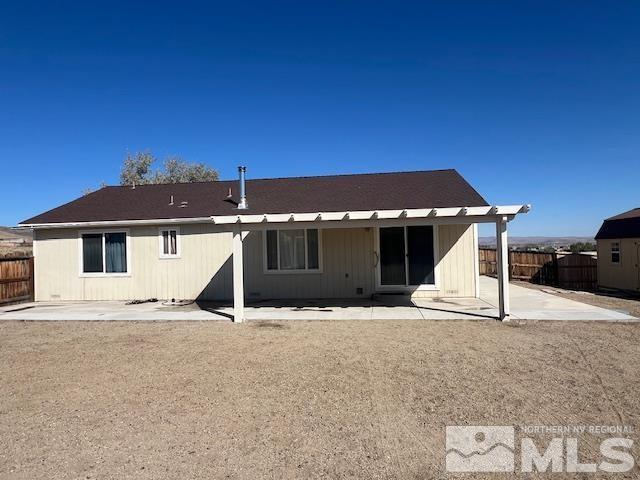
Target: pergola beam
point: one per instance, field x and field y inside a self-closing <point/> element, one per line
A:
<point x="373" y="222"/>
<point x="475" y="214"/>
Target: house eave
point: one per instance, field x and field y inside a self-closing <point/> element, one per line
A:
<point x="116" y="223"/>
<point x="482" y="214"/>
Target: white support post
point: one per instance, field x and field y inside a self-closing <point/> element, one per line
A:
<point x="502" y="250"/>
<point x="238" y="276"/>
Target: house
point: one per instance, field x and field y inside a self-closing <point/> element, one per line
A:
<point x="618" y="242"/>
<point x="341" y="236"/>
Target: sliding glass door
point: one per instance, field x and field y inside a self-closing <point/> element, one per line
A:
<point x="407" y="256"/>
<point x="392" y="256"/>
<point x="420" y="255"/>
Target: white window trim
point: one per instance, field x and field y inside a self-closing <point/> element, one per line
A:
<point x="435" y="286"/>
<point x="127" y="237"/>
<point x="619" y="262"/>
<point x="168" y="256"/>
<point x="265" y="268"/>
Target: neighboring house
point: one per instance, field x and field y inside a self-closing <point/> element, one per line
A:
<point x="619" y="252"/>
<point x="342" y="236"/>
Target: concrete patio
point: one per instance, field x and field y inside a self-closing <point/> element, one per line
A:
<point x="525" y="304"/>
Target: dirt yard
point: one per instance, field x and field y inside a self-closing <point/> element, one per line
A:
<point x="299" y="399"/>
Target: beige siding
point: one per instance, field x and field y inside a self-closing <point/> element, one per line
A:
<point x="348" y="264"/>
<point x="204" y="269"/>
<point x="624" y="275"/>
<point x="457" y="253"/>
<point x="457" y="271"/>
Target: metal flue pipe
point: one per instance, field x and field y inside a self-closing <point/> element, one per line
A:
<point x="242" y="204"/>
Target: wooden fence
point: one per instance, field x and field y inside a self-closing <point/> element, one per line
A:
<point x="16" y="279"/>
<point x="578" y="272"/>
<point x="572" y="271"/>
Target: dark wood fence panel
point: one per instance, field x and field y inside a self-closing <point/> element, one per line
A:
<point x="16" y="279"/>
<point x="535" y="267"/>
<point x="573" y="271"/>
<point x="578" y="272"/>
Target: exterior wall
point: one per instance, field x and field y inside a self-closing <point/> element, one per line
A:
<point x="625" y="275"/>
<point x="204" y="269"/>
<point x="457" y="268"/>
<point x="347" y="261"/>
<point x="458" y="261"/>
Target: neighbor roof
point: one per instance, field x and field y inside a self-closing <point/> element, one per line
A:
<point x="624" y="225"/>
<point x="335" y="193"/>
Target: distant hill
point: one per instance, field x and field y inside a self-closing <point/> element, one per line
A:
<point x="7" y="233"/>
<point x="15" y="243"/>
<point x="538" y="241"/>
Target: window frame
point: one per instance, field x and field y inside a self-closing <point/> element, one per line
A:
<point x="435" y="286"/>
<point x="619" y="252"/>
<point x="279" y="271"/>
<point x="169" y="256"/>
<point x="104" y="272"/>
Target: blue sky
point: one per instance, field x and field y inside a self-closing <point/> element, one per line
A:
<point x="533" y="102"/>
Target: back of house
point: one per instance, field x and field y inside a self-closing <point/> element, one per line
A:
<point x="342" y="236"/>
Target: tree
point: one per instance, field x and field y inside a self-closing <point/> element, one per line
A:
<point x="137" y="170"/>
<point x="582" y="247"/>
<point x="89" y="190"/>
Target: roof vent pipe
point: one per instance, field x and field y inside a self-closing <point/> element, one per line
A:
<point x="243" y="197"/>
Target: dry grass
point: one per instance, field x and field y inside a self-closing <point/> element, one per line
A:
<point x="297" y="399"/>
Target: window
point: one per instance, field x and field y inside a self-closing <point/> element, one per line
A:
<point x="169" y="242"/>
<point x="292" y="250"/>
<point x="407" y="256"/>
<point x="104" y="253"/>
<point x="615" y="252"/>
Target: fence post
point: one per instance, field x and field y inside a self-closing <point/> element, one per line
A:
<point x="556" y="270"/>
<point x="510" y="262"/>
<point x="32" y="280"/>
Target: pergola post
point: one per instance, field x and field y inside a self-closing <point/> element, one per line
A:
<point x="238" y="276"/>
<point x="502" y="250"/>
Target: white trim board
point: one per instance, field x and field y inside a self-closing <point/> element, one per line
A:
<point x="118" y="223"/>
<point x="457" y="214"/>
<point x="417" y="213"/>
<point x="169" y="256"/>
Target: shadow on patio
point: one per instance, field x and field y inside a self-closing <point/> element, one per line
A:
<point x="379" y="307"/>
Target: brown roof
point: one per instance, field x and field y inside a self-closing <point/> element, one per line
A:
<point x="633" y="213"/>
<point x="375" y="191"/>
<point x="624" y="225"/>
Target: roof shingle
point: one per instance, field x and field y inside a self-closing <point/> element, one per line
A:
<point x="376" y="191"/>
<point x="624" y="225"/>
